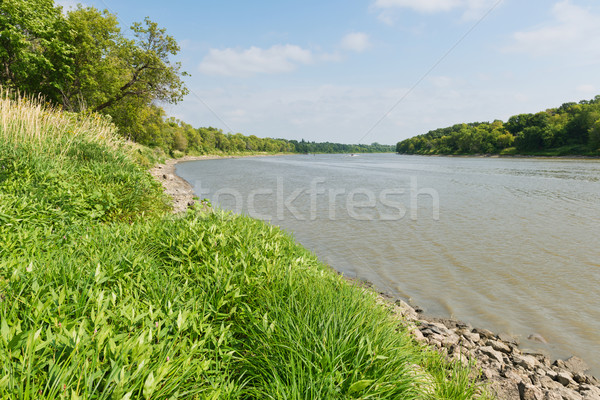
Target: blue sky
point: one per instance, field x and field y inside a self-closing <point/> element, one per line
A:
<point x="373" y="70"/>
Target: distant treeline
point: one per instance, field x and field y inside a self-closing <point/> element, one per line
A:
<point x="175" y="136"/>
<point x="573" y="128"/>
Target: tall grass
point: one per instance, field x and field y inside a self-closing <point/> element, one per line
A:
<point x="120" y="301"/>
<point x="61" y="169"/>
<point x="27" y="120"/>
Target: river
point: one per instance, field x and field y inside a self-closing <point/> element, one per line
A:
<point x="507" y="244"/>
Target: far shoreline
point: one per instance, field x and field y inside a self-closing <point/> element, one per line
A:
<point x="574" y="157"/>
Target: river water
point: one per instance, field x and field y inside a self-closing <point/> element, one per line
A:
<point x="507" y="244"/>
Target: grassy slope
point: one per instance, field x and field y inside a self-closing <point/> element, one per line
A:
<point x="104" y="296"/>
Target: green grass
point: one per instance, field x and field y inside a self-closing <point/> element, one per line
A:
<point x="105" y="296"/>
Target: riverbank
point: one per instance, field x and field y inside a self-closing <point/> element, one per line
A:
<point x="104" y="293"/>
<point x="503" y="366"/>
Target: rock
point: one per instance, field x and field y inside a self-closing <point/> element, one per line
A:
<point x="499" y="346"/>
<point x="536" y="337"/>
<point x="564" y="378"/>
<point x="526" y="361"/>
<point x="572" y="364"/>
<point x="450" y="340"/>
<point x="551" y="395"/>
<point x="491" y="353"/>
<point x="590" y="392"/>
<point x="484" y="333"/>
<point x="569" y="394"/>
<point x="515" y="376"/>
<point x="505" y="390"/>
<point x="406" y="310"/>
<point x="549" y="383"/>
<point x="581" y="378"/>
<point x="472" y="336"/>
<point x="530" y="392"/>
<point x="551" y="373"/>
<point x="418" y="335"/>
<point x="508" y="339"/>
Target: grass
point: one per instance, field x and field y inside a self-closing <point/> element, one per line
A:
<point x="104" y="295"/>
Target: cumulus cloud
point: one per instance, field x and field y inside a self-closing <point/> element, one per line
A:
<point x="573" y="29"/>
<point x="586" y="88"/>
<point x="356" y="41"/>
<point x="420" y="5"/>
<point x="255" y="60"/>
<point x="472" y="9"/>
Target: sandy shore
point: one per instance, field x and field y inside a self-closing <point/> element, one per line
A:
<point x="510" y="372"/>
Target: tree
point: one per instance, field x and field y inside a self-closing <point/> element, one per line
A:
<point x="34" y="53"/>
<point x="96" y="38"/>
<point x="594" y="136"/>
<point x="145" y="70"/>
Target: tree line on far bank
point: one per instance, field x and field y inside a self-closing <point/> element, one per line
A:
<point x="82" y="61"/>
<point x="571" y="129"/>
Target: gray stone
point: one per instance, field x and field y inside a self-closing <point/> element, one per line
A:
<point x="485" y="333"/>
<point x="590" y="392"/>
<point x="473" y="337"/>
<point x="549" y="383"/>
<point x="564" y="378"/>
<point x="491" y="353"/>
<point x="505" y="389"/>
<point x="499" y="346"/>
<point x="536" y="337"/>
<point x="581" y="378"/>
<point x="450" y="340"/>
<point x="568" y="394"/>
<point x="406" y="310"/>
<point x="572" y="364"/>
<point x="525" y="361"/>
<point x="552" y="395"/>
<point x="505" y="337"/>
<point x="418" y="335"/>
<point x="530" y="392"/>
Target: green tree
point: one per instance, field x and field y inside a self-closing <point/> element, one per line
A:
<point x="145" y="71"/>
<point x="34" y="52"/>
<point x="594" y="136"/>
<point x="97" y="67"/>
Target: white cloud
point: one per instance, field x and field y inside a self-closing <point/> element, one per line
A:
<point x="573" y="29"/>
<point x="356" y="41"/>
<point x="426" y="6"/>
<point x="586" y="88"/>
<point x="472" y="9"/>
<point x="441" y="81"/>
<point x="247" y="62"/>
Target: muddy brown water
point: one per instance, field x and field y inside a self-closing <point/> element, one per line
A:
<point x="507" y="244"/>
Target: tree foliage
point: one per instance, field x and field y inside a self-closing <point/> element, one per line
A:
<point x="82" y="61"/>
<point x="35" y="54"/>
<point x="573" y="128"/>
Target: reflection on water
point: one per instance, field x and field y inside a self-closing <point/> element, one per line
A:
<point x="516" y="246"/>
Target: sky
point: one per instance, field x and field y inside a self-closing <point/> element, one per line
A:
<point x="364" y="71"/>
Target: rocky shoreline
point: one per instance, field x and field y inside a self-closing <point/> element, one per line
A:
<point x="177" y="188"/>
<point x="507" y="371"/>
<point x="510" y="373"/>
